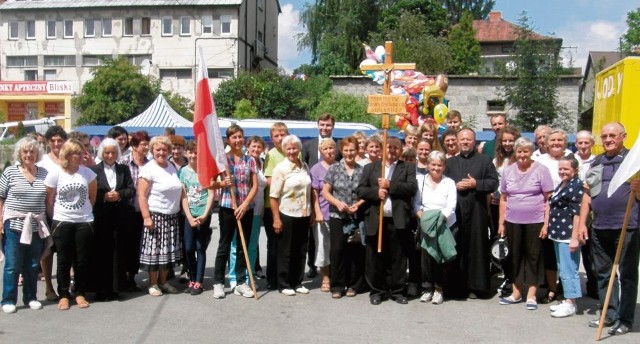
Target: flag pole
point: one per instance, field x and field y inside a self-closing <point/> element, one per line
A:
<point x="616" y="262"/>
<point x="232" y="191"/>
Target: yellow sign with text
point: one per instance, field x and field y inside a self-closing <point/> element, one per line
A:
<point x="386" y="104"/>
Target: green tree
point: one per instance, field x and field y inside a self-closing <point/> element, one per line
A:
<point x="630" y="40"/>
<point x="531" y="80"/>
<point x="433" y="16"/>
<point x="479" y="9"/>
<point x="116" y="93"/>
<point x="182" y="105"/>
<point x="345" y="108"/>
<point x="244" y="109"/>
<point x="412" y="43"/>
<point x="335" y="30"/>
<point x="465" y="48"/>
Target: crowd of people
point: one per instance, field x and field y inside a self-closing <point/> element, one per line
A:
<point x="415" y="224"/>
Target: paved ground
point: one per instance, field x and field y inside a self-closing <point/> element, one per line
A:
<point x="313" y="318"/>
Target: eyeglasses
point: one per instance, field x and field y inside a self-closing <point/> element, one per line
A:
<point x="610" y="136"/>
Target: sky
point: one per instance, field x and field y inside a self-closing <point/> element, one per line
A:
<point x="584" y="25"/>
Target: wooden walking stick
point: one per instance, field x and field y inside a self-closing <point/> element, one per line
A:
<point x="232" y="191"/>
<point x="386" y="105"/>
<point x="616" y="262"/>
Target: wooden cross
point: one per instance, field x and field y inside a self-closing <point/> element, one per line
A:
<point x="386" y="105"/>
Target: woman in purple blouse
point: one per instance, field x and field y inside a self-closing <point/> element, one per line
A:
<point x="524" y="214"/>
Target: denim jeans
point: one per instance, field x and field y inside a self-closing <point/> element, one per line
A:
<point x="568" y="264"/>
<point x="622" y="304"/>
<point x="196" y="241"/>
<point x="252" y="249"/>
<point x="20" y="259"/>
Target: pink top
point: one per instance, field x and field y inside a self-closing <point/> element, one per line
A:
<point x="525" y="192"/>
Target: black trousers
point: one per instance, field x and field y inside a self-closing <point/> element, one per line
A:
<point x="272" y="248"/>
<point x="347" y="260"/>
<point x="228" y="227"/>
<point x="622" y="304"/>
<point x="131" y="237"/>
<point x="292" y="251"/>
<point x="73" y="243"/>
<point x="386" y="272"/>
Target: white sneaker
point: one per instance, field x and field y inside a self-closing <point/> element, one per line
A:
<point x="564" y="310"/>
<point x="288" y="292"/>
<point x="553" y="308"/>
<point x="302" y="290"/>
<point x="426" y="296"/>
<point x="243" y="290"/>
<point x="437" y="297"/>
<point x="9" y="308"/>
<point x="218" y="291"/>
<point x="35" y="304"/>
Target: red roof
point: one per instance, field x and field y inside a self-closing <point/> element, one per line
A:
<point x="496" y="29"/>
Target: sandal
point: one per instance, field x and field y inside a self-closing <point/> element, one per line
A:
<point x="336" y="295"/>
<point x="532" y="305"/>
<point x="154" y="290"/>
<point x="351" y="292"/>
<point x="82" y="302"/>
<point x="326" y="286"/>
<point x="51" y="295"/>
<point x="549" y="298"/>
<point x="63" y="304"/>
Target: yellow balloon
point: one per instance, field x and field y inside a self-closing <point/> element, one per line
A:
<point x="440" y="112"/>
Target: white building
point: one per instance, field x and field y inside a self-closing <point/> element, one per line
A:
<point x="64" y="39"/>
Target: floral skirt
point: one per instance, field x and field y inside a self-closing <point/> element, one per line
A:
<point x="161" y="248"/>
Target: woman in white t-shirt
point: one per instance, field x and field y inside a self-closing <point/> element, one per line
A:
<point x="160" y="193"/>
<point x="71" y="193"/>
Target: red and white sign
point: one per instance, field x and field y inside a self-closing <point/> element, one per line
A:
<point x="36" y="87"/>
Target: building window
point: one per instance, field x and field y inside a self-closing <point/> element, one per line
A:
<point x="508" y="49"/>
<point x="167" y="26"/>
<point x="260" y="37"/>
<point x="207" y="25"/>
<point x="107" y="27"/>
<point x="22" y="61"/>
<point x="220" y="73"/>
<point x="30" y="75"/>
<point x="185" y="26"/>
<point x="51" y="29"/>
<point x="127" y="27"/>
<point x="137" y="59"/>
<point x="50" y="74"/>
<point x="31" y="29"/>
<point x="94" y="60"/>
<point x="89" y="27"/>
<point x="495" y="106"/>
<point x="145" y="29"/>
<point x="225" y="25"/>
<point x="180" y="74"/>
<point x="60" y="60"/>
<point x="68" y="28"/>
<point x="13" y="30"/>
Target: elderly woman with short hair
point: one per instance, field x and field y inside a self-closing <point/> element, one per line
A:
<point x="23" y="219"/>
<point x="291" y="199"/>
<point x="112" y="214"/>
<point x="160" y="194"/>
<point x="524" y="214"/>
<point x="71" y="193"/>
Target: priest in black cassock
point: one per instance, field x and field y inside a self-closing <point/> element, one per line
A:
<point x="476" y="178"/>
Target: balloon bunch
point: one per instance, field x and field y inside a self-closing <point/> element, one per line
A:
<point x="425" y="94"/>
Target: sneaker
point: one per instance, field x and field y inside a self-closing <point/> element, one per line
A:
<point x="288" y="292"/>
<point x="35" y="304"/>
<point x="618" y="329"/>
<point x="9" y="308"/>
<point x="196" y="289"/>
<point x="154" y="290"/>
<point x="302" y="290"/>
<point x="608" y="322"/>
<point x="427" y="296"/>
<point x="218" y="291"/>
<point x="532" y="304"/>
<point x="564" y="310"/>
<point x="168" y="288"/>
<point x="509" y="300"/>
<point x="243" y="290"/>
<point x="189" y="287"/>
<point x="437" y="297"/>
<point x="555" y="307"/>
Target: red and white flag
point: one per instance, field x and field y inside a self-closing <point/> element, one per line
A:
<point x="211" y="157"/>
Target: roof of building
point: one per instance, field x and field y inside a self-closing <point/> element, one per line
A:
<point x="496" y="29"/>
<point x="602" y="59"/>
<point x="52" y="4"/>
